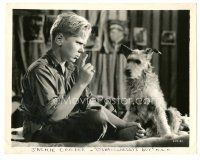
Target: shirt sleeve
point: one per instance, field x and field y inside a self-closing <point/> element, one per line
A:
<point x="44" y="89"/>
<point x="84" y="99"/>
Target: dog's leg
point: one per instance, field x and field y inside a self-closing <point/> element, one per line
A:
<point x="160" y="118"/>
<point x="127" y="116"/>
<point x="130" y="117"/>
<point x="161" y="122"/>
<point x="174" y="119"/>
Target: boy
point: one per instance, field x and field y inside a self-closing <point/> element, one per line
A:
<point x="53" y="86"/>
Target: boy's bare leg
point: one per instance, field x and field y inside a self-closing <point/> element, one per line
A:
<point x="119" y="123"/>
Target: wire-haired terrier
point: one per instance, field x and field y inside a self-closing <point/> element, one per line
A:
<point x="147" y="104"/>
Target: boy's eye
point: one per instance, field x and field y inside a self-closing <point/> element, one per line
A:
<point x="80" y="43"/>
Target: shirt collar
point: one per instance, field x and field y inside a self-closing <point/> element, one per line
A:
<point x="55" y="63"/>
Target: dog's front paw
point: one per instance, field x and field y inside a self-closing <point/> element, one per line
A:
<point x="181" y="133"/>
<point x="150" y="132"/>
<point x="170" y="136"/>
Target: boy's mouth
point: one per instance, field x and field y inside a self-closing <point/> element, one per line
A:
<point x="76" y="58"/>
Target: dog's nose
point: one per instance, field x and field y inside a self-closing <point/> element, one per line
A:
<point x="128" y="72"/>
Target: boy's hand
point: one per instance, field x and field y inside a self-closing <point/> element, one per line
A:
<point x="140" y="133"/>
<point x="86" y="72"/>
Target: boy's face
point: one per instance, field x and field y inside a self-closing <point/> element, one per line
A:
<point x="72" y="48"/>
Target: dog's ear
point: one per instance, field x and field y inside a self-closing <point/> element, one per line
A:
<point x="149" y="52"/>
<point x="126" y="50"/>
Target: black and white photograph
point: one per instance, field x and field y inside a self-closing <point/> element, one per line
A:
<point x="101" y="78"/>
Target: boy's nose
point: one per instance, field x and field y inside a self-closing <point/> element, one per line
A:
<point x="81" y="50"/>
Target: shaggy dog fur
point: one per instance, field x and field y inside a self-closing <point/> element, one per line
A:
<point x="147" y="104"/>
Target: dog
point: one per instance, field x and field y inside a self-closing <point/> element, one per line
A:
<point x="147" y="105"/>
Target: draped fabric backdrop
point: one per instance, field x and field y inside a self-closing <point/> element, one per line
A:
<point x="110" y="30"/>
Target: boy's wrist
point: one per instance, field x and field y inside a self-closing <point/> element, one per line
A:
<point x="81" y="85"/>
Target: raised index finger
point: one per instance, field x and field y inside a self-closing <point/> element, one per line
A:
<point x="84" y="59"/>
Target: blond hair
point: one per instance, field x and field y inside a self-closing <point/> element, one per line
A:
<point x="70" y="24"/>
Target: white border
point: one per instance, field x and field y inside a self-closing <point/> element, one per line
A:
<point x="2" y="85"/>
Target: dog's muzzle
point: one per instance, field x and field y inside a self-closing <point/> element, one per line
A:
<point x="127" y="72"/>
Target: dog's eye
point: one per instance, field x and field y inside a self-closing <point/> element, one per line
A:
<point x="137" y="61"/>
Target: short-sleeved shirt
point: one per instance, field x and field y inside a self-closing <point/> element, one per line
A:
<point x="43" y="87"/>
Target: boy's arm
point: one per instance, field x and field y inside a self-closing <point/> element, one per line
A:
<point x="69" y="101"/>
<point x="115" y="105"/>
<point x="52" y="105"/>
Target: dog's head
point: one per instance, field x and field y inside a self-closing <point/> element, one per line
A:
<point x="138" y="61"/>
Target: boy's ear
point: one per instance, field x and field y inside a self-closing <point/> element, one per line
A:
<point x="59" y="39"/>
